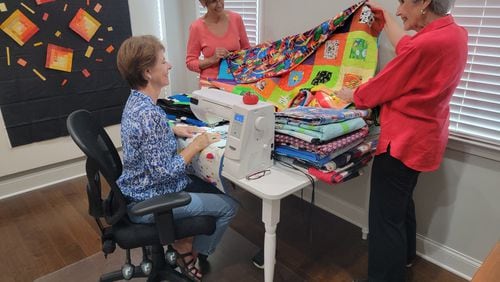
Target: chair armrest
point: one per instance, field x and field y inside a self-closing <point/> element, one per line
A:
<point x="161" y="203"/>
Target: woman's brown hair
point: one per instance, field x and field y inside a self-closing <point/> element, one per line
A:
<point x="135" y="56"/>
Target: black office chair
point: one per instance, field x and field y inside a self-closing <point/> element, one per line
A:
<point x="103" y="159"/>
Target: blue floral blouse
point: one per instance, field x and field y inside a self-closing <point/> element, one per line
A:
<point x="151" y="164"/>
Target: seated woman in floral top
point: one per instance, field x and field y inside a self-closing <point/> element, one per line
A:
<point x="151" y="164"/>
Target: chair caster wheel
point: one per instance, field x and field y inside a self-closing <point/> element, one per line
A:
<point x="171" y="257"/>
<point x="127" y="271"/>
<point x="146" y="266"/>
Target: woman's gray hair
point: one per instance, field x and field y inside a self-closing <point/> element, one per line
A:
<point x="441" y="7"/>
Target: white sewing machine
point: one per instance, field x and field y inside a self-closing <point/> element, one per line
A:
<point x="250" y="139"/>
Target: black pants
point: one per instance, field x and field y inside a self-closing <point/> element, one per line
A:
<point x="392" y="223"/>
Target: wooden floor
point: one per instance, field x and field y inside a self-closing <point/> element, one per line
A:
<point x="47" y="229"/>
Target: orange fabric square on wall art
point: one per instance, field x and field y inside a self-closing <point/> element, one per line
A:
<point x="59" y="58"/>
<point x="19" y="27"/>
<point x="84" y="24"/>
<point x="40" y="2"/>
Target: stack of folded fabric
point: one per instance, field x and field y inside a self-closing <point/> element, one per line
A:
<point x="177" y="107"/>
<point x="331" y="143"/>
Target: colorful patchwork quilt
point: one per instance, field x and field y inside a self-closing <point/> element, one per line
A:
<point x="304" y="69"/>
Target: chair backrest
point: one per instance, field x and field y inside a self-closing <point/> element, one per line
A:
<point x="103" y="158"/>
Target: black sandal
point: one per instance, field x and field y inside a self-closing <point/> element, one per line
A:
<point x="188" y="268"/>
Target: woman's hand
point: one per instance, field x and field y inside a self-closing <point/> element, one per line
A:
<point x="203" y="140"/>
<point x="345" y="94"/>
<point x="221" y="53"/>
<point x="199" y="143"/>
<point x="374" y="6"/>
<point x="187" y="131"/>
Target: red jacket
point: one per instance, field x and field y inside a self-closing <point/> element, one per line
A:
<point x="414" y="91"/>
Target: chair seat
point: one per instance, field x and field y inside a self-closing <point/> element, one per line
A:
<point x="129" y="235"/>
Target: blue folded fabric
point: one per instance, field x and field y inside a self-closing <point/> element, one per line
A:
<point x="187" y="120"/>
<point x="320" y="133"/>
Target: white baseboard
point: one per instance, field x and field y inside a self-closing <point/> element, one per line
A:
<point x="447" y="258"/>
<point x="29" y="181"/>
<point x="436" y="253"/>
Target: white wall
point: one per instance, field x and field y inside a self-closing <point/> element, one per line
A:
<point x="179" y="14"/>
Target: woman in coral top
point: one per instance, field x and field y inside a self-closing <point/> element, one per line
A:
<point x="413" y="91"/>
<point x="214" y="35"/>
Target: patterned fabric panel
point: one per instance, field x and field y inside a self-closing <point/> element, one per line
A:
<point x="347" y="58"/>
<point x="317" y="116"/>
<point x="352" y="154"/>
<point x="354" y="170"/>
<point x="327" y="132"/>
<point x="207" y="164"/>
<point x="322" y="149"/>
<point x="281" y="56"/>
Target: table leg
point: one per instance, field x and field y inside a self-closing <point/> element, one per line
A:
<point x="270" y="217"/>
<point x="364" y="233"/>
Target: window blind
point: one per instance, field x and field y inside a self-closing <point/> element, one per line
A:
<point x="475" y="105"/>
<point x="248" y="9"/>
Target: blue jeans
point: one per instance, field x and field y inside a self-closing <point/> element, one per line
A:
<point x="205" y="200"/>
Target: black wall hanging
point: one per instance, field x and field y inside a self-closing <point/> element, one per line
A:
<point x="58" y="56"/>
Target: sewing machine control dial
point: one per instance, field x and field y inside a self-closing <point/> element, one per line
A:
<point x="260" y="123"/>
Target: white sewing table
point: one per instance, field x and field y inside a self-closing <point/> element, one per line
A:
<point x="271" y="188"/>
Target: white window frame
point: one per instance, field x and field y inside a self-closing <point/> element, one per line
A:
<point x="247" y="12"/>
<point x="472" y="106"/>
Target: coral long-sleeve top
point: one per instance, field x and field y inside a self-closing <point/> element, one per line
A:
<point x="202" y="40"/>
<point x="414" y="91"/>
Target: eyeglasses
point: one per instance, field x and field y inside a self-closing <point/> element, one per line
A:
<point x="258" y="174"/>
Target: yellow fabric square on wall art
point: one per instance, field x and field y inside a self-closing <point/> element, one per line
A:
<point x="19" y="27"/>
<point x="84" y="24"/>
<point x="59" y="58"/>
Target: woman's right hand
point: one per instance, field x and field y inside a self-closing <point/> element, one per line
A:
<point x="374" y="5"/>
<point x="221" y="53"/>
<point x="203" y="140"/>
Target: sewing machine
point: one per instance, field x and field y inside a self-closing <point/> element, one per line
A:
<point x="250" y="139"/>
<point x="248" y="150"/>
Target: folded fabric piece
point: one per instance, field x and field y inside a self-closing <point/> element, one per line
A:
<point x="180" y="99"/>
<point x="356" y="166"/>
<point x="352" y="154"/>
<point x="321" y="149"/>
<point x="311" y="159"/>
<point x="174" y="107"/>
<point x="327" y="176"/>
<point x="317" y="116"/>
<point x="326" y="132"/>
<point x="279" y="57"/>
<point x="339" y="177"/>
<point x="318" y="164"/>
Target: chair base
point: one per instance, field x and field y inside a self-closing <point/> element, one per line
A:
<point x="162" y="271"/>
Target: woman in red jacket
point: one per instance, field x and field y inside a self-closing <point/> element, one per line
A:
<point x="414" y="91"/>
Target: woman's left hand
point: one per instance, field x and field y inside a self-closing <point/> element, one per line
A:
<point x="345" y="94"/>
<point x="187" y="131"/>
